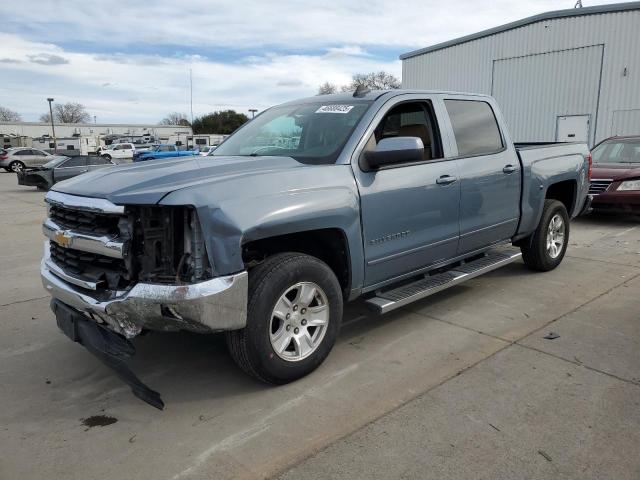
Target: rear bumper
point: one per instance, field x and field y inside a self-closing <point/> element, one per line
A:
<point x="215" y="305"/>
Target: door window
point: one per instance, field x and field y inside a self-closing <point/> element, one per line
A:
<point x="75" y="162"/>
<point x="411" y="119"/>
<point x="98" y="161"/>
<point x="23" y="152"/>
<point x="475" y="127"/>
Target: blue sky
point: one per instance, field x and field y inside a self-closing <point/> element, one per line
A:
<point x="129" y="61"/>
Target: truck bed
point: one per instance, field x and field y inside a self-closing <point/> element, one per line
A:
<point x="544" y="164"/>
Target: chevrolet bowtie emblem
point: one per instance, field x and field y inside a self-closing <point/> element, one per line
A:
<point x="62" y="239"/>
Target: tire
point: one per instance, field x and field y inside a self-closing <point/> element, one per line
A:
<point x="545" y="249"/>
<point x="108" y="157"/>
<point x="253" y="348"/>
<point x="16" y="166"/>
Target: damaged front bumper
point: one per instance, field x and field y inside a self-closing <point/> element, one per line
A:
<point x="214" y="305"/>
<point x="104" y="327"/>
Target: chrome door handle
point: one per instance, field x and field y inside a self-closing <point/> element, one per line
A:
<point x="509" y="169"/>
<point x="446" y="180"/>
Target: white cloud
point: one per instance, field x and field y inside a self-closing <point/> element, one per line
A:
<point x="139" y="88"/>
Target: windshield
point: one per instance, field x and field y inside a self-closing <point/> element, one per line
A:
<point x="618" y="151"/>
<point x="310" y="133"/>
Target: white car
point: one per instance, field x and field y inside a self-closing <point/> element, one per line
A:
<point x="119" y="151"/>
<point x="208" y="150"/>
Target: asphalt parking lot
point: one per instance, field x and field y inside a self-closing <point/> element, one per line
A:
<point x="461" y="385"/>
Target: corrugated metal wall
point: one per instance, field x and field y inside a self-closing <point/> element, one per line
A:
<point x="532" y="107"/>
<point x="469" y="67"/>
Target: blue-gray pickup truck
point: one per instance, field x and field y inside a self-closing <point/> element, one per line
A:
<point x="386" y="195"/>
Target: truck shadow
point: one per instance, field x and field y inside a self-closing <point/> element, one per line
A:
<point x="186" y="367"/>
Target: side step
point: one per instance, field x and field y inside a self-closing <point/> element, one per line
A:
<point x="386" y="301"/>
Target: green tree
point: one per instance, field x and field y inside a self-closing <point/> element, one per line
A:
<point x="224" y="122"/>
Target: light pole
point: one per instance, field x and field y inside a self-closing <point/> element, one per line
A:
<point x="253" y="112"/>
<point x="53" y="130"/>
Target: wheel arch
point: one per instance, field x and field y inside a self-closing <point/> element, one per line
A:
<point x="327" y="244"/>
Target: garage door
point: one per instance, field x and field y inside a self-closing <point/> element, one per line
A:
<point x="626" y="122"/>
<point x="534" y="90"/>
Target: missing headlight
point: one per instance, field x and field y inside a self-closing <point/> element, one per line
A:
<point x="168" y="246"/>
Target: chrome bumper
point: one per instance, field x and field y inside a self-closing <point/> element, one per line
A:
<point x="214" y="305"/>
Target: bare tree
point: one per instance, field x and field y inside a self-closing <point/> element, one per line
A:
<point x="327" y="88"/>
<point x="69" y="112"/>
<point x="8" y="115"/>
<point x="175" y="118"/>
<point x="374" y="80"/>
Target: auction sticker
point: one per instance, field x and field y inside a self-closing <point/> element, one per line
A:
<point x="335" y="109"/>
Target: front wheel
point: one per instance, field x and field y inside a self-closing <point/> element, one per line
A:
<point x="547" y="245"/>
<point x="293" y="319"/>
<point x="16" y="166"/>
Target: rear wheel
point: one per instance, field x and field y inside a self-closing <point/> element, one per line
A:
<point x="108" y="157"/>
<point x="16" y="166"/>
<point x="547" y="245"/>
<point x="293" y="318"/>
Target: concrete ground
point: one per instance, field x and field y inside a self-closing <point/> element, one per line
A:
<point x="461" y="385"/>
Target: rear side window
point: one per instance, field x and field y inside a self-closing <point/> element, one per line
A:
<point x="475" y="127"/>
<point x="98" y="161"/>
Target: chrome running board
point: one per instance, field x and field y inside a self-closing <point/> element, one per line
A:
<point x="388" y="300"/>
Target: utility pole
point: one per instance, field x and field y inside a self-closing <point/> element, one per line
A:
<point x="94" y="120"/>
<point x="53" y="130"/>
<point x="191" y="88"/>
<point x="253" y="112"/>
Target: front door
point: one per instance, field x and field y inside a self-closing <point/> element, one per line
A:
<point x="572" y="128"/>
<point x="489" y="175"/>
<point x="409" y="211"/>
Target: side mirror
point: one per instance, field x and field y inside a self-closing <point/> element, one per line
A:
<point x="395" y="150"/>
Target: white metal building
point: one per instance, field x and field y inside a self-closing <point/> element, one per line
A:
<point x="38" y="129"/>
<point x="567" y="75"/>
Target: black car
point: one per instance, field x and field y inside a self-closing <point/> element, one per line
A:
<point x="60" y="169"/>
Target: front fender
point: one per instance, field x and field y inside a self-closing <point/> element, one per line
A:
<point x="299" y="200"/>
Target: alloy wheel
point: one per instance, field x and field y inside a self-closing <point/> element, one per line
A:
<point x="299" y="321"/>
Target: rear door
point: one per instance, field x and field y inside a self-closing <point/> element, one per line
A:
<point x="489" y="174"/>
<point x="70" y="168"/>
<point x="25" y="156"/>
<point x="409" y="211"/>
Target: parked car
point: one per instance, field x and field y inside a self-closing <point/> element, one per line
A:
<point x="60" y="169"/>
<point x="208" y="151"/>
<point x="616" y="175"/>
<point x="17" y="159"/>
<point x="121" y="152"/>
<point x="387" y="195"/>
<point x="164" y="151"/>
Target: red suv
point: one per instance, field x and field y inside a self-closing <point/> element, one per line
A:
<point x="615" y="183"/>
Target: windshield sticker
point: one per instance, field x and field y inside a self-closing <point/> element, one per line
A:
<point x="335" y="109"/>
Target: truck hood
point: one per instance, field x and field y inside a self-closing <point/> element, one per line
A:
<point x="616" y="171"/>
<point x="146" y="183"/>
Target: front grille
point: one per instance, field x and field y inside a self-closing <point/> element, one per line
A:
<point x="84" y="221"/>
<point x="109" y="272"/>
<point x="599" y="186"/>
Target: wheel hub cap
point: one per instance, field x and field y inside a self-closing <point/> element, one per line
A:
<point x="299" y="321"/>
<point x="555" y="236"/>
